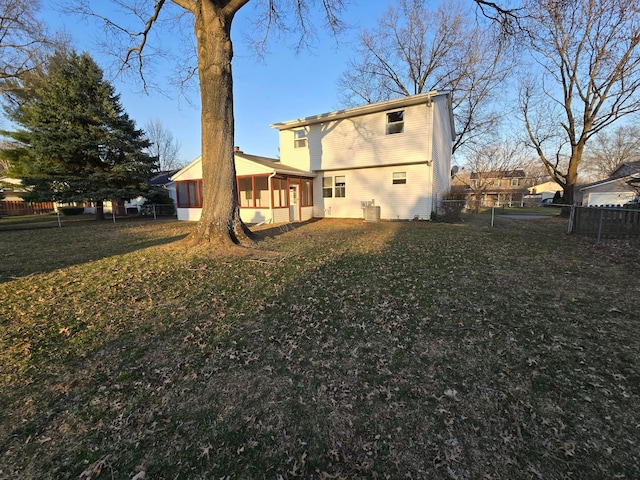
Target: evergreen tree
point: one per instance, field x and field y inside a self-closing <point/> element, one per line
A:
<point x="75" y="142"/>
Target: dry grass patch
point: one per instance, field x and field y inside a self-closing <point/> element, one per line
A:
<point x="335" y="349"/>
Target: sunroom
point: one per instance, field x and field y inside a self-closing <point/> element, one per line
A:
<point x="268" y="192"/>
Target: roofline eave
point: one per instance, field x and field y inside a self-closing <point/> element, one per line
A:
<point x="358" y="111"/>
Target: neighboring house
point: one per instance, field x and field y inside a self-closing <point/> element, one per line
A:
<point x="12" y="189"/>
<point x="163" y="180"/>
<point x="503" y="187"/>
<point x="395" y="155"/>
<point x="620" y="188"/>
<point x="159" y="179"/>
<point x="543" y="191"/>
<point x="546" y="189"/>
<point x="12" y="202"/>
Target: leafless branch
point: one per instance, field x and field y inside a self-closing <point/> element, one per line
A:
<point x="413" y="50"/>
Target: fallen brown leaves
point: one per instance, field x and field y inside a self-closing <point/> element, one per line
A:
<point x="335" y="349"/>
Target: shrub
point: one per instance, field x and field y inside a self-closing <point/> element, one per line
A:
<point x="452" y="205"/>
<point x="558" y="197"/>
<point x="159" y="197"/>
<point x="67" y="211"/>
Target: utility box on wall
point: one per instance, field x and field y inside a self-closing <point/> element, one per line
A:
<point x="372" y="213"/>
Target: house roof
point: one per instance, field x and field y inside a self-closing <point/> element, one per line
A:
<point x="632" y="179"/>
<point x="425" y="98"/>
<point x="515" y="173"/>
<point x="271" y="163"/>
<point x="274" y="164"/>
<point x="626" y="169"/>
<point x="162" y="178"/>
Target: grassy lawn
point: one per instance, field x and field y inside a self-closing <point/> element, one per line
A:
<point x="336" y="349"/>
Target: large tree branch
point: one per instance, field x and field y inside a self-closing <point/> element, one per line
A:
<point x="509" y="19"/>
<point x="137" y="50"/>
<point x="188" y="5"/>
<point x="232" y="6"/>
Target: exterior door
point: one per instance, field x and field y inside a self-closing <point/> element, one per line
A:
<point x="294" y="215"/>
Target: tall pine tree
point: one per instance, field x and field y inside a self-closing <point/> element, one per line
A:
<point x="75" y="142"/>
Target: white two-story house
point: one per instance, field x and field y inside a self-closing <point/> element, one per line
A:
<point x="395" y="155"/>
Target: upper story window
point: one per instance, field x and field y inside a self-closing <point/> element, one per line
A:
<point x="514" y="182"/>
<point x="300" y="138"/>
<point x="395" y="122"/>
<point x="399" y="178"/>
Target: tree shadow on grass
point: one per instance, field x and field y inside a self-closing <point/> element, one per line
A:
<point x="391" y="350"/>
<point x="27" y="252"/>
<point x="271" y="231"/>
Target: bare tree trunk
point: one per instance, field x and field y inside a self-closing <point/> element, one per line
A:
<point x="220" y="220"/>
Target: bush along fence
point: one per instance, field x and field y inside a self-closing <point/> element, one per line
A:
<point x="605" y="223"/>
<point x="12" y="208"/>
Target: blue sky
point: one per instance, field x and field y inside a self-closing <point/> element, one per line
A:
<point x="282" y="86"/>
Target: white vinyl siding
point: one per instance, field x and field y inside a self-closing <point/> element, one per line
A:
<point x="368" y="184"/>
<point x="442" y="141"/>
<point x="362" y="142"/>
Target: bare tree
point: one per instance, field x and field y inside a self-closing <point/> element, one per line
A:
<point x="609" y="149"/>
<point x="587" y="54"/>
<point x="164" y="147"/>
<point x="24" y="41"/>
<point x="414" y="50"/>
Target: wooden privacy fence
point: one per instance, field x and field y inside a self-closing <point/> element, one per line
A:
<point x="605" y="223"/>
<point x="11" y="208"/>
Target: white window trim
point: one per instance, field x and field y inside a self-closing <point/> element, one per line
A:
<point x="399" y="182"/>
<point x="389" y="125"/>
<point x="299" y="138"/>
<point x="327" y="188"/>
<point x="343" y="187"/>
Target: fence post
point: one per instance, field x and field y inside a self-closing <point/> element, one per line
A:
<point x="572" y="218"/>
<point x="59" y="222"/>
<point x="600" y="225"/>
<point x="493" y="215"/>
